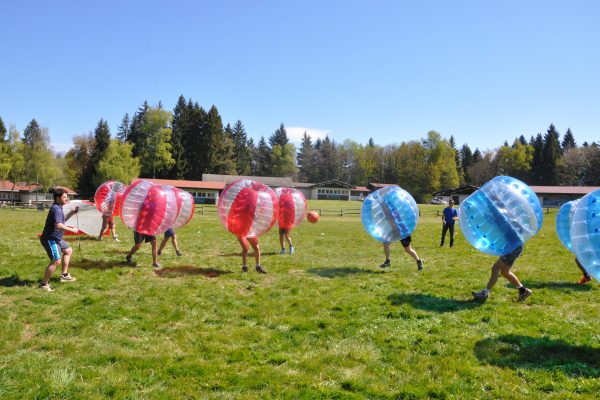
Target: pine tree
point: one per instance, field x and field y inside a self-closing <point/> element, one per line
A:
<point x="2" y="131"/>
<point x="32" y="134"/>
<point x="261" y="160"/>
<point x="537" y="162"/>
<point x="195" y="142"/>
<point x="551" y="153"/>
<point x="279" y="137"/>
<point x="305" y="158"/>
<point x="124" y="130"/>
<point x="181" y="132"/>
<point x="568" y="141"/>
<point x="136" y="136"/>
<point x="457" y="160"/>
<point x="243" y="155"/>
<point x="221" y="148"/>
<point x="466" y="158"/>
<point x="477" y="155"/>
<point x="522" y="140"/>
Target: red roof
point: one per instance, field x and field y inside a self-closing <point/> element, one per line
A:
<point x="582" y="190"/>
<point x="360" y="189"/>
<point x="19" y="186"/>
<point x="189" y="184"/>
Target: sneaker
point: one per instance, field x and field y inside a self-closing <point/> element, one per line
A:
<point x="584" y="279"/>
<point x="116" y="239"/>
<point x="46" y="288"/>
<point x="244" y="268"/>
<point x="386" y="264"/>
<point x="99" y="238"/>
<point x="129" y="260"/>
<point x="420" y="265"/>
<point x="482" y="295"/>
<point x="179" y="254"/>
<point x="156" y="265"/>
<point x="525" y="294"/>
<point x="67" y="278"/>
<point x="291" y="249"/>
<point x="282" y="251"/>
<point x="260" y="270"/>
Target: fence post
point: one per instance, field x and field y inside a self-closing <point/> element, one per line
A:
<point x="342" y="212"/>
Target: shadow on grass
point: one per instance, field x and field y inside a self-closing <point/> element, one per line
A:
<point x="174" y="272"/>
<point x="72" y="239"/>
<point x="250" y="254"/>
<point x="340" y="272"/>
<point x="99" y="264"/>
<point x="526" y="352"/>
<point x="14" y="280"/>
<point x="561" y="285"/>
<point x="428" y="302"/>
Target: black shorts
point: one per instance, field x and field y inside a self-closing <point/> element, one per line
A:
<point x="140" y="238"/>
<point x="406" y="241"/>
<point x="54" y="248"/>
<point x="509" y="259"/>
<point x="283" y="231"/>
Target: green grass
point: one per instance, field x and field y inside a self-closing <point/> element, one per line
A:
<point x="324" y="323"/>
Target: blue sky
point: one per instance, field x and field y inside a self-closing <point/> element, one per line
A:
<point x="482" y="71"/>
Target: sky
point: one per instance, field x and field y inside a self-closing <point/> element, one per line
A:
<point x="481" y="71"/>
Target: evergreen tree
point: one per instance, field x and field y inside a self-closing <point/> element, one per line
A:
<point x="2" y="131"/>
<point x="124" y="130"/>
<point x="196" y="142"/>
<point x="466" y="158"/>
<point x="32" y="134"/>
<point x="568" y="141"/>
<point x="136" y="136"/>
<point x="154" y="143"/>
<point x="279" y="137"/>
<point x="101" y="141"/>
<point x="457" y="160"/>
<point x="551" y="156"/>
<point x="477" y="155"/>
<point x="261" y="160"/>
<point x="522" y="140"/>
<point x="181" y="131"/>
<point x="243" y="154"/>
<point x="305" y="158"/>
<point x="221" y="148"/>
<point x="537" y="162"/>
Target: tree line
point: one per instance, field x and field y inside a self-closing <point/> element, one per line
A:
<point x="190" y="141"/>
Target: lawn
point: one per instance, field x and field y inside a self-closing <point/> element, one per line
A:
<point x="324" y="323"/>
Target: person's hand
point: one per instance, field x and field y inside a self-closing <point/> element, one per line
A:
<point x="76" y="210"/>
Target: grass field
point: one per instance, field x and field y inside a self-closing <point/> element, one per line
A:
<point x="324" y="323"/>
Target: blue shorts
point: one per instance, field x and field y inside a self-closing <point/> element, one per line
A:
<point x="509" y="259"/>
<point x="54" y="248"/>
<point x="169" y="233"/>
<point x="140" y="238"/>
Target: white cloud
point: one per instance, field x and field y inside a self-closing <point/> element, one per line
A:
<point x="295" y="133"/>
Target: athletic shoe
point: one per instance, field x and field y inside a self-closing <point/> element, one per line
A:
<point x="116" y="239"/>
<point x="100" y="238"/>
<point x="244" y="268"/>
<point x="523" y="295"/>
<point x="386" y="264"/>
<point x="260" y="270"/>
<point x="179" y="254"/>
<point x="46" y="288"/>
<point x="420" y="265"/>
<point x="282" y="251"/>
<point x="291" y="249"/>
<point x="67" y="278"/>
<point x="482" y="295"/>
<point x="129" y="260"/>
<point x="156" y="265"/>
<point x="584" y="279"/>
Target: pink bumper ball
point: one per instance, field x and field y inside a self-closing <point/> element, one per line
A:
<point x="148" y="208"/>
<point x="292" y="207"/>
<point x="248" y="208"/>
<point x="185" y="207"/>
<point x="107" y="196"/>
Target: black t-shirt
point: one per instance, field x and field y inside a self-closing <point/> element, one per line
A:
<point x="55" y="215"/>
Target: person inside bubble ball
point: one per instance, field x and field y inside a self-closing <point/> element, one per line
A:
<point x="586" y="277"/>
<point x="503" y="266"/>
<point x="407" y="248"/>
<point x="254" y="243"/>
<point x="108" y="221"/>
<point x="285" y="232"/>
<point x="449" y="218"/>
<point x="169" y="234"/>
<point x="139" y="239"/>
